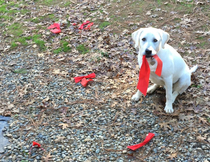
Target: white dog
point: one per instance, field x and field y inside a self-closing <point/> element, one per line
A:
<point x="175" y="76"/>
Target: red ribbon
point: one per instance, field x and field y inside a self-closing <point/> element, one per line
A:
<point x="147" y="139"/>
<point x="83" y="79"/>
<point x="55" y="27"/>
<point x="83" y="24"/>
<point x="144" y="73"/>
<point x="36" y="144"/>
<point x="159" y="65"/>
<point x="89" y="25"/>
<point x="86" y="23"/>
<point x="84" y="82"/>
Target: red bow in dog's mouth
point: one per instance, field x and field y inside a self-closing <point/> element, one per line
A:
<point x="144" y="73"/>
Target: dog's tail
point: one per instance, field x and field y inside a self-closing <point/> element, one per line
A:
<point x="193" y="69"/>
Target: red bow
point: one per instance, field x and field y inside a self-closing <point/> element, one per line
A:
<point x="144" y="73"/>
<point x="83" y="79"/>
<point x="147" y="139"/>
<point x="89" y="25"/>
<point x="35" y="144"/>
<point x="56" y="28"/>
<point x="85" y="23"/>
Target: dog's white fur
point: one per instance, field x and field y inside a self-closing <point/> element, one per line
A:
<point x="176" y="75"/>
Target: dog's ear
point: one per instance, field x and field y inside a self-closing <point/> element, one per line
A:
<point x="164" y="36"/>
<point x="136" y="37"/>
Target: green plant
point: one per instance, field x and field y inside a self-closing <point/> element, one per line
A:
<point x="15" y="29"/>
<point x="20" y="71"/>
<point x="66" y="4"/>
<point x="40" y="43"/>
<point x="3" y="8"/>
<point x="105" y="54"/>
<point x="82" y="49"/>
<point x="22" y="40"/>
<point x="64" y="47"/>
<point x="197" y="86"/>
<point x="35" y="20"/>
<point x="13" y="45"/>
<point x="58" y="50"/>
<point x="104" y="24"/>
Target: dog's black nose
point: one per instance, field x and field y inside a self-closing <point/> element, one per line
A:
<point x="148" y="52"/>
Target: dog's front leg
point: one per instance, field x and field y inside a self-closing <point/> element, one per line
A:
<point x="169" y="96"/>
<point x="136" y="96"/>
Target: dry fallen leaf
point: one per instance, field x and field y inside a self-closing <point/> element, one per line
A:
<point x="47" y="158"/>
<point x="172" y="156"/>
<point x="164" y="125"/>
<point x="64" y="125"/>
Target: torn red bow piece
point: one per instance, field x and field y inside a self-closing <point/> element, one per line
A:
<point x="144" y="73"/>
<point x="36" y="144"/>
<point x="84" y="80"/>
<point x="88" y="23"/>
<point x="55" y="27"/>
<point x="147" y="139"/>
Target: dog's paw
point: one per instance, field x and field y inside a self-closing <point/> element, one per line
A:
<point x="169" y="109"/>
<point x="135" y="97"/>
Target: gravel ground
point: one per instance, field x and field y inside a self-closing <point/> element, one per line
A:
<point x="73" y="123"/>
<point x="97" y="123"/>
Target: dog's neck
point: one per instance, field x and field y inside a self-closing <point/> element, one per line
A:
<point x="151" y="61"/>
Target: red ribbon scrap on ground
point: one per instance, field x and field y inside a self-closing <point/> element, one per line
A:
<point x="55" y="28"/>
<point x="144" y="73"/>
<point x="88" y="23"/>
<point x="83" y="79"/>
<point x="36" y="144"/>
<point x="147" y="139"/>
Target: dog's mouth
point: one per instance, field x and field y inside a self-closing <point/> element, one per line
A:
<point x="149" y="56"/>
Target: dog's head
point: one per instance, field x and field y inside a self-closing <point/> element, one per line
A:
<point x="150" y="40"/>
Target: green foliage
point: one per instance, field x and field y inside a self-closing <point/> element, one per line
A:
<point x="159" y="2"/>
<point x="57" y="51"/>
<point x="104" y="24"/>
<point x="35" y="20"/>
<point x="13" y="45"/>
<point x="66" y="4"/>
<point x="15" y="29"/>
<point x="64" y="47"/>
<point x="197" y="86"/>
<point x="3" y="8"/>
<point x="40" y="43"/>
<point x="2" y="2"/>
<point x="82" y="49"/>
<point x="20" y="71"/>
<point x="105" y="54"/>
<point x="22" y="40"/>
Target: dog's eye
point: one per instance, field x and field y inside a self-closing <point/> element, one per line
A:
<point x="154" y="40"/>
<point x="143" y="39"/>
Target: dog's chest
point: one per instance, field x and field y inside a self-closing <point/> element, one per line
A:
<point x="153" y="77"/>
<point x="156" y="79"/>
<point x="152" y="64"/>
